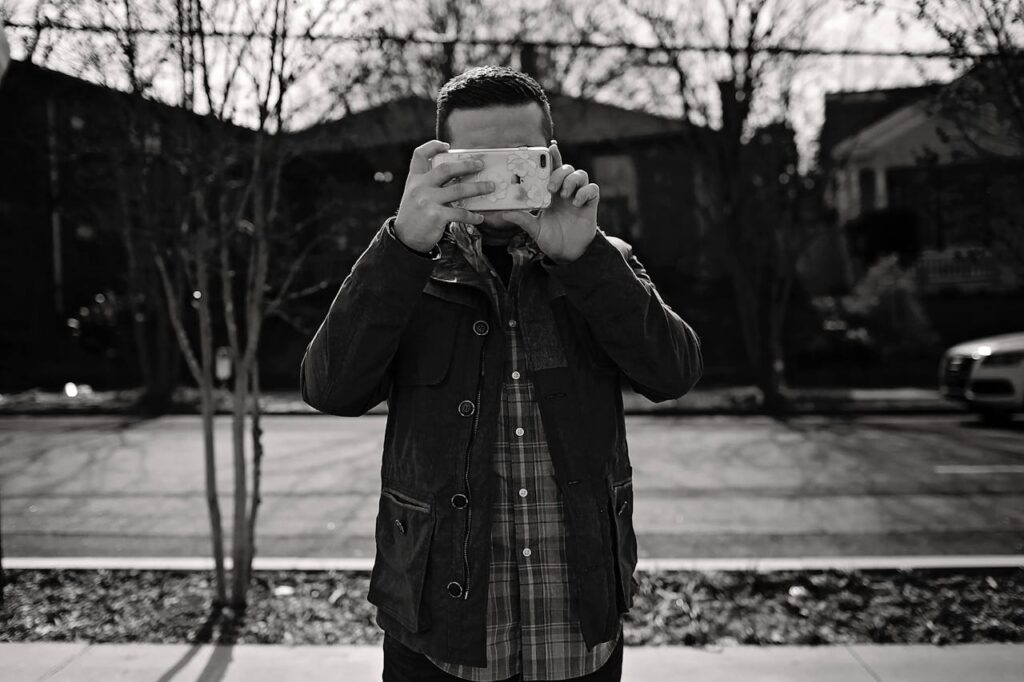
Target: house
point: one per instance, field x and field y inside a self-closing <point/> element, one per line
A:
<point x="917" y="171"/>
<point x="75" y="155"/>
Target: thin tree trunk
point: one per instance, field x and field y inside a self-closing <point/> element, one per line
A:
<point x="207" y="403"/>
<point x="772" y="376"/>
<point x="240" y="527"/>
<point x="257" y="461"/>
<point x="168" y="361"/>
<point x="3" y="575"/>
<point x="202" y="373"/>
<point x="212" y="501"/>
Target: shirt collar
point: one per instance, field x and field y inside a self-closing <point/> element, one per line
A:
<point x="470" y="242"/>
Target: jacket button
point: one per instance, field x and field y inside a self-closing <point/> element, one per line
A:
<point x="467" y="408"/>
<point x="400" y="527"/>
<point x="459" y="501"/>
<point x="454" y="590"/>
<point x="480" y="327"/>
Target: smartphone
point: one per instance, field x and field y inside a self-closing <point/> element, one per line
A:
<point x="520" y="177"/>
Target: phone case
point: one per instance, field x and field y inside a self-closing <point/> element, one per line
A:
<point x="520" y="177"/>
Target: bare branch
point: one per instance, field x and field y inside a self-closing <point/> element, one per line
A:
<point x="171" y="297"/>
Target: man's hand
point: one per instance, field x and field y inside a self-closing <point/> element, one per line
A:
<point x="563" y="230"/>
<point x="424" y="212"/>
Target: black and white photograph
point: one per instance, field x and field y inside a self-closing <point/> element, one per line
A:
<point x="512" y="340"/>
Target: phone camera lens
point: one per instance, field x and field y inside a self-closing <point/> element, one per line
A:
<point x="544" y="160"/>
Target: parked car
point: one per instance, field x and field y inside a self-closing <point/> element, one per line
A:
<point x="986" y="374"/>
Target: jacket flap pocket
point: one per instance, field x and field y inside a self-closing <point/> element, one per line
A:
<point x="405" y="528"/>
<point x="621" y="508"/>
<point x="453" y="293"/>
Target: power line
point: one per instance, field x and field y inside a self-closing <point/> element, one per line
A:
<point x="414" y="39"/>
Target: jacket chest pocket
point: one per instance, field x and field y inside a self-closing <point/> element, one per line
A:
<point x="405" y="528"/>
<point x="577" y="328"/>
<point x="425" y="350"/>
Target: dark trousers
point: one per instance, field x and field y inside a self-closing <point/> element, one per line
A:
<point x="402" y="664"/>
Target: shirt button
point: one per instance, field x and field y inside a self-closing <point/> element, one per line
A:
<point x="520" y="431"/>
<point x="527" y="552"/>
<point x="522" y="492"/>
<point x="512" y="323"/>
<point x="516" y="375"/>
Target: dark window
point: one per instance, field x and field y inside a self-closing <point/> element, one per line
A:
<point x="866" y="179"/>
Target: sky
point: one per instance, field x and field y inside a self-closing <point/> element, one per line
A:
<point x="313" y="98"/>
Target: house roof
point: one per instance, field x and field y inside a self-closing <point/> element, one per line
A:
<point x="25" y="78"/>
<point x="410" y="121"/>
<point x="847" y="113"/>
<point x="955" y="122"/>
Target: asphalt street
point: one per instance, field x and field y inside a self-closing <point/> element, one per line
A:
<point x="705" y="486"/>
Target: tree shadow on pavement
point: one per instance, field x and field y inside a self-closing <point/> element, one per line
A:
<point x="220" y="659"/>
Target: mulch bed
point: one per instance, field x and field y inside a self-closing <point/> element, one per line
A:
<point x="677" y="607"/>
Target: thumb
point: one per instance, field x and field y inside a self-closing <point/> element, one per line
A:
<point x="525" y="220"/>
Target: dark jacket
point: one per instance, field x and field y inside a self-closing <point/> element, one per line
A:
<point x="424" y="335"/>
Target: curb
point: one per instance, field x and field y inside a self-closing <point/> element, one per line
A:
<point x="740" y="401"/>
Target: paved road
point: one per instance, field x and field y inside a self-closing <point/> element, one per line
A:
<point x="706" y="486"/>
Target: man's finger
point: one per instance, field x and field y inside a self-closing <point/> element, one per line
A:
<point x="525" y="220"/>
<point x="463" y="190"/>
<point x="587" y="194"/>
<point x="453" y="169"/>
<point x="573" y="182"/>
<point x="422" y="155"/>
<point x="558" y="176"/>
<point x="556" y="154"/>
<point x="461" y="215"/>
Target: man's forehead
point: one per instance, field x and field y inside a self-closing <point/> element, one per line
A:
<point x="504" y="125"/>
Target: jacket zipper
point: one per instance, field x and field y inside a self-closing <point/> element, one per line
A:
<point x="465" y="475"/>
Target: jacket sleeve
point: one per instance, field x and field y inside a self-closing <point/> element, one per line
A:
<point x="657" y="351"/>
<point x="346" y="368"/>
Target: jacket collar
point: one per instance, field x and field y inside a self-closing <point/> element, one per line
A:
<point x="462" y="260"/>
<point x="453" y="268"/>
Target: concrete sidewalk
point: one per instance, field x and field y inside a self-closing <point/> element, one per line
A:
<point x="32" y="662"/>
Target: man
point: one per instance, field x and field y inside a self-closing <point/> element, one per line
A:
<point x="5" y="54"/>
<point x="505" y="545"/>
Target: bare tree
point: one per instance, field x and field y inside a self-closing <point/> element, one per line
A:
<point x="239" y="215"/>
<point x="201" y="204"/>
<point x="750" y="212"/>
<point x="985" y="39"/>
<point x="40" y="42"/>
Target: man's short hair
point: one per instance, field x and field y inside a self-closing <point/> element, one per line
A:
<point x="488" y="86"/>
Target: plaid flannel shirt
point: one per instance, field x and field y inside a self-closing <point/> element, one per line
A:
<point x="532" y="622"/>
